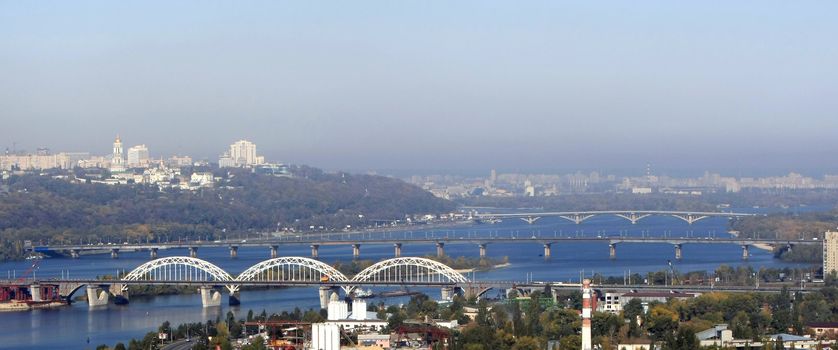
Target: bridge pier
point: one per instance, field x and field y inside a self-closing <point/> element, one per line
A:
<point x="274" y="250"/>
<point x="193" y="252"/>
<point x="678" y="252"/>
<point x="153" y="253"/>
<point x="482" y="250"/>
<point x="324" y="296"/>
<point x="612" y="250"/>
<point x="530" y="219"/>
<point x="35" y="291"/>
<point x="440" y="249"/>
<point x="210" y="297"/>
<point x="114" y="253"/>
<point x="234" y="299"/>
<point x="96" y="296"/>
<point x="356" y="251"/>
<point x="446" y="293"/>
<point x="234" y="251"/>
<point x="74" y="253"/>
<point x="547" y="250"/>
<point x="745" y="252"/>
<point x="398" y="250"/>
<point x="120" y="293"/>
<point x="315" y="250"/>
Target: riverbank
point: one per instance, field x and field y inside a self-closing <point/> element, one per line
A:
<point x="16" y="305"/>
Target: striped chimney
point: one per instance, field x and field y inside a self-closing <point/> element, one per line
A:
<point x="586" y="314"/>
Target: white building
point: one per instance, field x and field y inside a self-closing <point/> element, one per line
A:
<point x="138" y="156"/>
<point x="830" y="252"/>
<point x="242" y="153"/>
<point x="117" y="161"/>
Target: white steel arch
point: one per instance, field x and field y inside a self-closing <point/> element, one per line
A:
<point x="409" y="269"/>
<point x="178" y="268"/>
<point x="291" y="268"/>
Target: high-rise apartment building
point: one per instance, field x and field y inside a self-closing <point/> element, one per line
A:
<point x="830" y="252"/>
<point x="138" y="156"/>
<point x="242" y="153"/>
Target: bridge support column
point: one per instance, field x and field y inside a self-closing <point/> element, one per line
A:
<point x="193" y="252"/>
<point x="234" y="299"/>
<point x="678" y="254"/>
<point x="324" y="296"/>
<point x="114" y="253"/>
<point x="35" y="291"/>
<point x="96" y="296"/>
<point x="745" y="252"/>
<point x="152" y="253"/>
<point x="356" y="251"/>
<point x="210" y="297"/>
<point x="315" y="250"/>
<point x="440" y="249"/>
<point x="234" y="251"/>
<point x="482" y="250"/>
<point x="120" y="293"/>
<point x="398" y="250"/>
<point x="74" y="253"/>
<point x="274" y="250"/>
<point x="547" y="250"/>
<point x="612" y="251"/>
<point x="446" y="293"/>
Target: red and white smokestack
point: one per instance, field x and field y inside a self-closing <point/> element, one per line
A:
<point x="587" y="306"/>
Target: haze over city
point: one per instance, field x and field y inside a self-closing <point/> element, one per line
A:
<point x="746" y="89"/>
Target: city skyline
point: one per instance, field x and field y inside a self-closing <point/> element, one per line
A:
<point x="371" y="87"/>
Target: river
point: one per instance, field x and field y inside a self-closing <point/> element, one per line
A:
<point x="72" y="326"/>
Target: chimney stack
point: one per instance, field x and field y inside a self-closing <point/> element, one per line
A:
<point x="586" y="315"/>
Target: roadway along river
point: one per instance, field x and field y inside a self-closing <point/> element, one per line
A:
<point x="72" y="326"/>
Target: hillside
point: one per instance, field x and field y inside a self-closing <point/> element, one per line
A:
<point x="42" y="208"/>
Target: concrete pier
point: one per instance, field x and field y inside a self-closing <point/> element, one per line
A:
<point x="234" y="251"/>
<point x="74" y="253"/>
<point x="35" y="291"/>
<point x="324" y="296"/>
<point x="274" y="251"/>
<point x="612" y="251"/>
<point x="234" y="299"/>
<point x="210" y="297"/>
<point x="96" y="296"/>
<point x="193" y="252"/>
<point x="398" y="250"/>
<point x="745" y="252"/>
<point x="114" y="253"/>
<point x="547" y="250"/>
<point x="315" y="250"/>
<point x="440" y="249"/>
<point x="482" y="250"/>
<point x="678" y="254"/>
<point x="356" y="250"/>
<point x="446" y="293"/>
<point x="152" y="253"/>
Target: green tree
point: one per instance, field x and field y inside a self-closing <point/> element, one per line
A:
<point x="527" y="343"/>
<point x="571" y="342"/>
<point x="119" y="346"/>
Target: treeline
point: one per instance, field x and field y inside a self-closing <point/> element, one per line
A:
<point x="43" y="208"/>
<point x="792" y="227"/>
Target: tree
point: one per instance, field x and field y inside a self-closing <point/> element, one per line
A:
<point x="527" y="343"/>
<point x="258" y="343"/>
<point x="571" y="342"/>
<point x="119" y="346"/>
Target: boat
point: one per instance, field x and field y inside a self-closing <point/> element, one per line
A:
<point x="360" y="293"/>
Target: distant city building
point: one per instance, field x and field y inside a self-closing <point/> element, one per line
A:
<point x="830" y="252"/>
<point x="117" y="161"/>
<point x="138" y="157"/>
<point x="242" y="154"/>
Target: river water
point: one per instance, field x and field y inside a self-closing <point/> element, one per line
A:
<point x="71" y="327"/>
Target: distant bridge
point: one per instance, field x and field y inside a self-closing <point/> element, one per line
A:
<point x="632" y="216"/>
<point x="546" y="241"/>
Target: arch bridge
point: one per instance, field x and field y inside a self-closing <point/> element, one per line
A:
<point x="281" y="271"/>
<point x="632" y="216"/>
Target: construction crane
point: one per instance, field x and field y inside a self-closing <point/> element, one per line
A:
<point x="29" y="271"/>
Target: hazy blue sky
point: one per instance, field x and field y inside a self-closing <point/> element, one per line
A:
<point x="437" y="85"/>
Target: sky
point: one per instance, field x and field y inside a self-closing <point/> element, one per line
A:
<point x="431" y="86"/>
